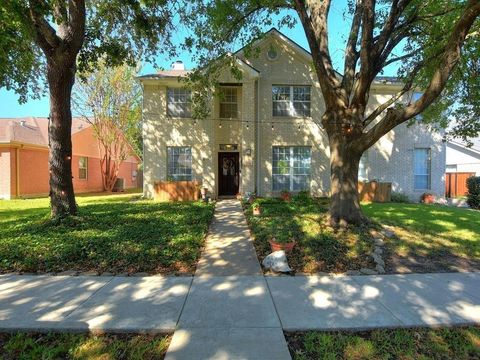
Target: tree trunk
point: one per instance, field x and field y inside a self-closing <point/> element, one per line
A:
<point x="61" y="77"/>
<point x="344" y="163"/>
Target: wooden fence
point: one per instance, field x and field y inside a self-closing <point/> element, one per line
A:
<point x="456" y="184"/>
<point x="374" y="191"/>
<point x="176" y="190"/>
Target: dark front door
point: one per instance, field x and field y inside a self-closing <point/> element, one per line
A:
<point x="228" y="173"/>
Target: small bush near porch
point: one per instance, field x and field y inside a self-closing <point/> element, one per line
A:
<point x="113" y="233"/>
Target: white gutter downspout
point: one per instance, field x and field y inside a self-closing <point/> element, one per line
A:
<point x="257" y="147"/>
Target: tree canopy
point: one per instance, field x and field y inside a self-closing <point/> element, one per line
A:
<point x="118" y="31"/>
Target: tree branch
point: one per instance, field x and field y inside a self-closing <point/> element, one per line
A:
<point x="351" y="53"/>
<point x="360" y="96"/>
<point x="313" y="16"/>
<point x="45" y="34"/>
<point x="76" y="25"/>
<point x="450" y="57"/>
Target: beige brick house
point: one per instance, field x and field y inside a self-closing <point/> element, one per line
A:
<point x="264" y="133"/>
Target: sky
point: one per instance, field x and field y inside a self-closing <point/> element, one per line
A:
<point x="339" y="25"/>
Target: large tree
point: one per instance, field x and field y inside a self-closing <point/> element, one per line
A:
<point x="43" y="42"/>
<point x="424" y="37"/>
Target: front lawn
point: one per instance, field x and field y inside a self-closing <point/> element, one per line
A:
<point x="452" y="343"/>
<point x="319" y="248"/>
<point x="429" y="237"/>
<point x="112" y="233"/>
<point x="79" y="346"/>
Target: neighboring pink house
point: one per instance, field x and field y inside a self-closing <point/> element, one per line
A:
<point x="24" y="159"/>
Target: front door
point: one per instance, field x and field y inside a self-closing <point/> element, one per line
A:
<point x="228" y="173"/>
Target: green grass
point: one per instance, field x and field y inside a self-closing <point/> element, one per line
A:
<point x="432" y="231"/>
<point x="114" y="233"/>
<point x="319" y="247"/>
<point x="79" y="346"/>
<point x="451" y="343"/>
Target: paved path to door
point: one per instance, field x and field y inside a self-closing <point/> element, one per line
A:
<point x="229" y="312"/>
<point x="223" y="315"/>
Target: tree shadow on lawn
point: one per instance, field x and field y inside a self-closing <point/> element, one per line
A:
<point x="114" y="237"/>
<point x="319" y="248"/>
<point x="429" y="238"/>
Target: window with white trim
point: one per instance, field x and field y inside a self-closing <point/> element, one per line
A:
<point x="291" y="100"/>
<point x="83" y="168"/>
<point x="291" y="168"/>
<point x="179" y="163"/>
<point x="179" y="102"/>
<point x="228" y="103"/>
<point x="422" y="168"/>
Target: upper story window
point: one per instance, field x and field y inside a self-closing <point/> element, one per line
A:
<point x="228" y="103"/>
<point x="179" y="163"/>
<point x="422" y="169"/>
<point x="82" y="168"/>
<point x="291" y="100"/>
<point x="179" y="102"/>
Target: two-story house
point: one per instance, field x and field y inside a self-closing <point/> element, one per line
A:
<point x="264" y="134"/>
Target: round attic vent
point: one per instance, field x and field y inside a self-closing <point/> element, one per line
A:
<point x="272" y="54"/>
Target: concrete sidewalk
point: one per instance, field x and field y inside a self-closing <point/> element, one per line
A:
<point x="154" y="304"/>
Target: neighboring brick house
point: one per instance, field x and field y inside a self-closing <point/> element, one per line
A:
<point x="24" y="159"/>
<point x="264" y="133"/>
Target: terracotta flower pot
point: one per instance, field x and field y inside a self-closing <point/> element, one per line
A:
<point x="239" y="196"/>
<point x="428" y="198"/>
<point x="257" y="211"/>
<point x="287" y="247"/>
<point x="286" y="196"/>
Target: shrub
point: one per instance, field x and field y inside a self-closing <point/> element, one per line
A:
<point x="473" y="195"/>
<point x="399" y="197"/>
<point x="302" y="196"/>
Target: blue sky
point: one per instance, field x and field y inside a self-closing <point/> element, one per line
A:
<point x="338" y="30"/>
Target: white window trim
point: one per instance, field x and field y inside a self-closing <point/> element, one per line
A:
<point x="183" y="116"/>
<point x="84" y="168"/>
<point x="291" y="166"/>
<point x="222" y="101"/>
<point x="291" y="109"/>
<point x="170" y="177"/>
<point x="429" y="171"/>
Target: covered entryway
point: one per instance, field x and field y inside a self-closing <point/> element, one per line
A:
<point x="228" y="173"/>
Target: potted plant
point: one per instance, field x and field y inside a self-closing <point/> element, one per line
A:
<point x="427" y="198"/>
<point x="285" y="195"/>
<point x="256" y="209"/>
<point x="287" y="245"/>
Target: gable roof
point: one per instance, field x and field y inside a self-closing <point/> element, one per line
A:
<point x="165" y="74"/>
<point x="32" y="130"/>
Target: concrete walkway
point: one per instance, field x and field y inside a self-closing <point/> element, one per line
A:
<point x="229" y="312"/>
<point x="219" y="314"/>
